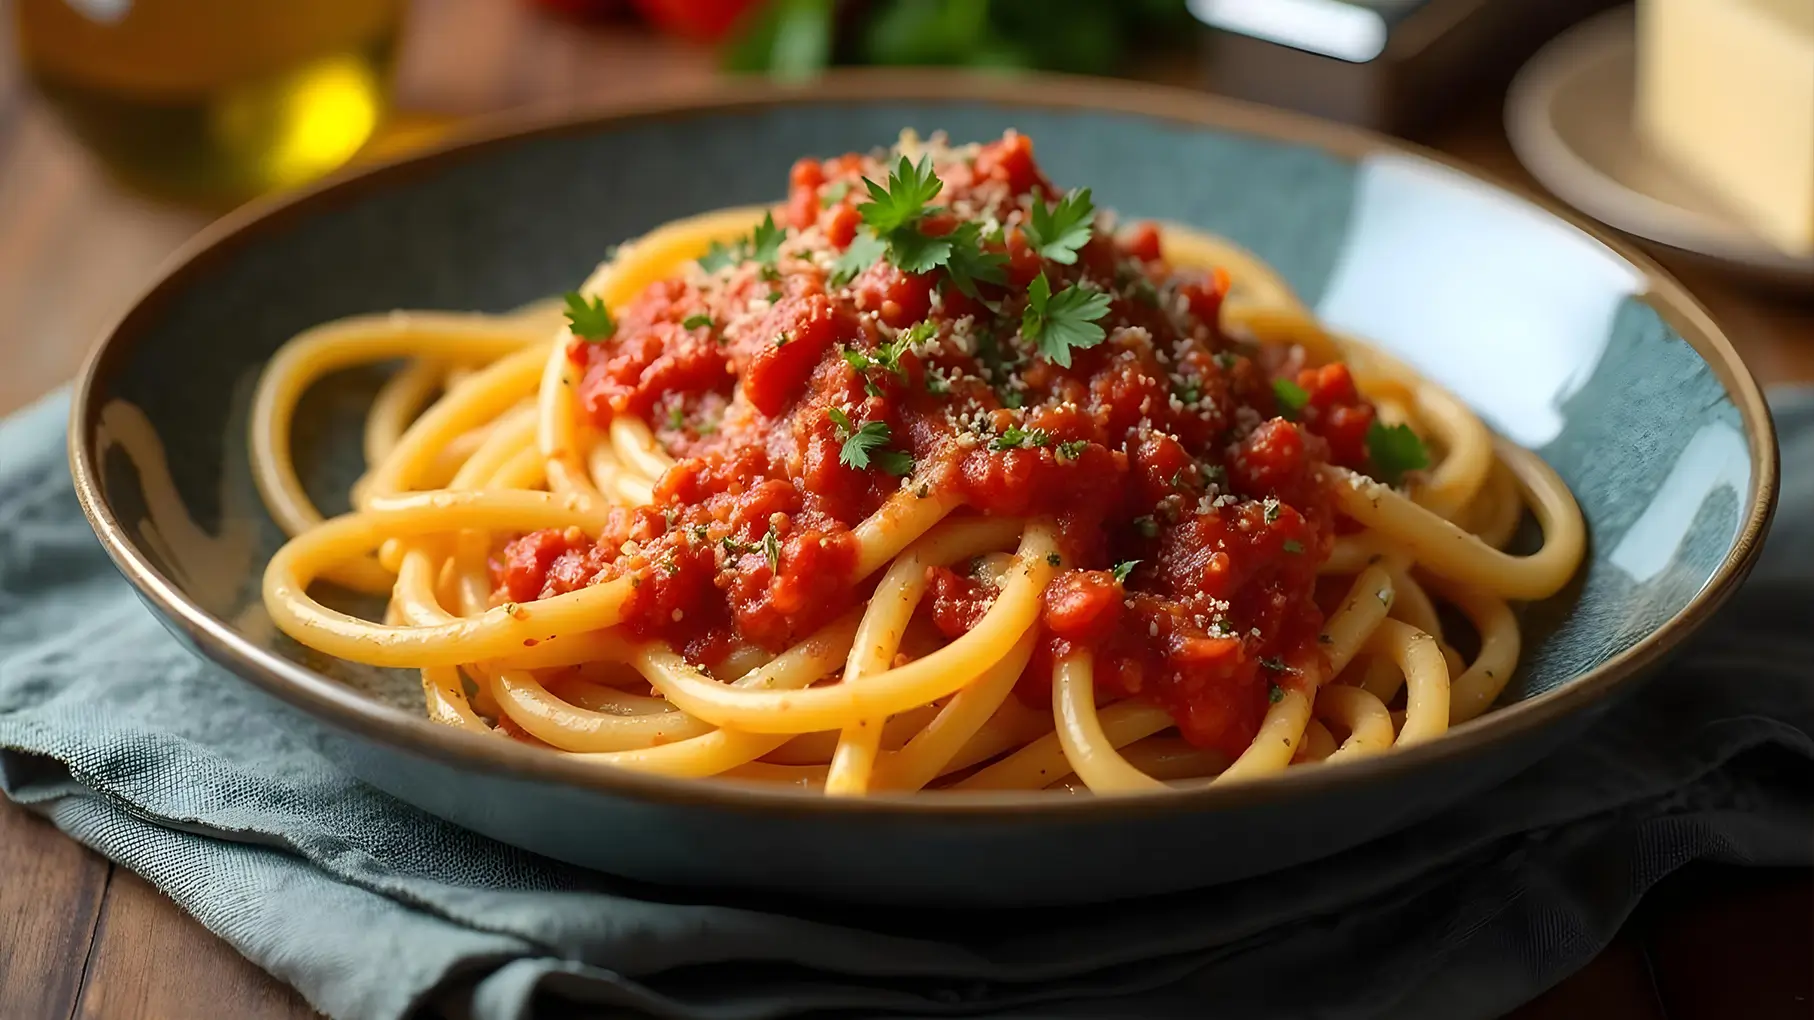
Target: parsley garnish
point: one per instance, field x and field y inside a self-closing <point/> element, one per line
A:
<point x="676" y="419"/>
<point x="721" y="256"/>
<point x="771" y="549"/>
<point x="1015" y="436"/>
<point x="1277" y="665"/>
<point x="1056" y="232"/>
<point x="1062" y="321"/>
<point x="1291" y="397"/>
<point x="766" y="242"/>
<point x="1271" y="508"/>
<point x="834" y="193"/>
<point x="590" y="319"/>
<point x="764" y="246"/>
<point x="1188" y="392"/>
<point x="859" y="441"/>
<point x="1072" y="449"/>
<point x="1123" y="569"/>
<point x="1147" y="526"/>
<point x="864" y="249"/>
<point x="888" y="356"/>
<point x="903" y="201"/>
<point x="969" y="263"/>
<point x="696" y="321"/>
<point x="898" y="463"/>
<point x="1225" y="361"/>
<point x="1294" y="547"/>
<point x="1275" y="693"/>
<point x="891" y="218"/>
<point x="914" y="252"/>
<point x="1054" y="559"/>
<point x="1395" y="449"/>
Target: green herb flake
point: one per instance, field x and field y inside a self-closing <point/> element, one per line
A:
<point x="1275" y="693"/>
<point x="1394" y="450"/>
<point x="771" y="549"/>
<point x="1123" y="569"/>
<point x="1291" y="397"/>
<point x="864" y="249"/>
<point x="1275" y="664"/>
<point x="969" y="263"/>
<point x="1293" y="547"/>
<point x="589" y="318"/>
<point x="1057" y="232"/>
<point x="1072" y="449"/>
<point x="1147" y="527"/>
<point x="696" y="322"/>
<point x="1058" y="323"/>
<point x="1054" y="559"/>
<point x="677" y="419"/>
<point x="903" y="201"/>
<point x="765" y="244"/>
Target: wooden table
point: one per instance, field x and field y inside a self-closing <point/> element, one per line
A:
<point x="80" y="937"/>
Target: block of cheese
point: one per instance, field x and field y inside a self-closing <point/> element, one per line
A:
<point x="1726" y="96"/>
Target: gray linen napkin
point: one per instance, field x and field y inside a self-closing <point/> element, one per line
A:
<point x="373" y="909"/>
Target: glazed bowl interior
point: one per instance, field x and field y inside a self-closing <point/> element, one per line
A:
<point x="1562" y="342"/>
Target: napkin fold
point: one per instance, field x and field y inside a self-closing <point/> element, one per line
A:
<point x="375" y="910"/>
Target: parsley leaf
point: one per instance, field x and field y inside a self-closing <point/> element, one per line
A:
<point x="1123" y="569"/>
<point x="898" y="463"/>
<point x="1056" y="232"/>
<point x="1395" y="449"/>
<point x="696" y="321"/>
<point x="1291" y="397"/>
<point x="1015" y="436"/>
<point x="1275" y="693"/>
<point x="914" y="252"/>
<point x="1275" y="664"/>
<point x="864" y="249"/>
<point x="903" y="201"/>
<point x="834" y="193"/>
<point x="1054" y="559"/>
<point x="970" y="263"/>
<point x="771" y="549"/>
<point x="1072" y="449"/>
<point x="860" y="440"/>
<point x="722" y="256"/>
<point x="590" y="319"/>
<point x="677" y="419"/>
<point x="765" y="245"/>
<point x="1056" y="323"/>
<point x="1294" y="547"/>
<point x="1147" y="526"/>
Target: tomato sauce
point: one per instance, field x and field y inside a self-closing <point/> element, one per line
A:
<point x="1180" y="465"/>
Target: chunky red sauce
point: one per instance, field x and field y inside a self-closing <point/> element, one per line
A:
<point x="1162" y="444"/>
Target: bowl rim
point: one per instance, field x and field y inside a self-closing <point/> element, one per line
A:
<point x="342" y="707"/>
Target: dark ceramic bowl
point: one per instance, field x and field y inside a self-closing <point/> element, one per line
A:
<point x="1565" y="341"/>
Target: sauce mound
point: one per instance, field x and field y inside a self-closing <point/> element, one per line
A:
<point x="1008" y="346"/>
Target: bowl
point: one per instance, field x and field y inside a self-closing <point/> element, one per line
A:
<point x="1564" y="340"/>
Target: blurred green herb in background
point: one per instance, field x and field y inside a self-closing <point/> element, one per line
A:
<point x="798" y="38"/>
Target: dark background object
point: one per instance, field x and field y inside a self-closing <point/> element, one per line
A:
<point x="1434" y="57"/>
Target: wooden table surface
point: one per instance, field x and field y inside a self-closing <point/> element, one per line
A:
<point x="79" y="937"/>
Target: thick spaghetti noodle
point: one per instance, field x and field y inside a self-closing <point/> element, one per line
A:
<point x="994" y="493"/>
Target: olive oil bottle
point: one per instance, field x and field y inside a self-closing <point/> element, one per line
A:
<point x="213" y="101"/>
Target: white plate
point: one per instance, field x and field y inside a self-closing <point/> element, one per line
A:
<point x="1569" y="118"/>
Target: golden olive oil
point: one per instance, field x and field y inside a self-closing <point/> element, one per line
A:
<point x="214" y="100"/>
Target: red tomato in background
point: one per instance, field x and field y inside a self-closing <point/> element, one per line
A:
<point x="699" y="20"/>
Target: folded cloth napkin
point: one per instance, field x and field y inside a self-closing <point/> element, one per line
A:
<point x="375" y="910"/>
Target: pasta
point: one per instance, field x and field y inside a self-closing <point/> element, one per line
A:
<point x="951" y="481"/>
